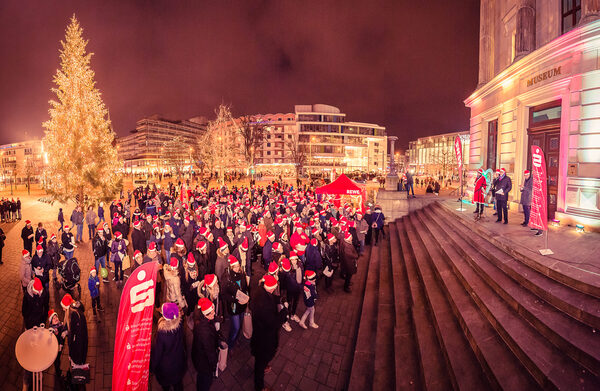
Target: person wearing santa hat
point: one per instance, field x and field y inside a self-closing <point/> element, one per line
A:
<point x="526" y="192"/>
<point x="41" y="236"/>
<point x="241" y="253"/>
<point x="156" y="237"/>
<point x="235" y="292"/>
<point x="267" y="252"/>
<point x="118" y="251"/>
<point x="190" y="282"/>
<point x="35" y="304"/>
<point x="138" y="238"/>
<point x="205" y="344"/>
<point x="186" y="232"/>
<point x="349" y="258"/>
<point x="314" y="261"/>
<point x="493" y="190"/>
<point x="173" y="283"/>
<point x="310" y="297"/>
<point x="503" y="187"/>
<point x="331" y="260"/>
<point x="479" y="193"/>
<point x="68" y="242"/>
<point x="94" y="288"/>
<point x="222" y="258"/>
<point x="27" y="236"/>
<point x="267" y="318"/>
<point x="26" y="270"/>
<point x="77" y="330"/>
<point x="59" y="330"/>
<point x="53" y="254"/>
<point x="168" y="361"/>
<point x="100" y="248"/>
<point x="40" y="263"/>
<point x="293" y="285"/>
<point x="168" y="240"/>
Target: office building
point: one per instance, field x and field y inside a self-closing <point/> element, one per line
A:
<point x="435" y="156"/>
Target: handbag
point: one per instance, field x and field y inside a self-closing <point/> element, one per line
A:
<point x="80" y="374"/>
<point x="247" y="325"/>
<point x="328" y="272"/>
<point x="126" y="262"/>
<point x="222" y="363"/>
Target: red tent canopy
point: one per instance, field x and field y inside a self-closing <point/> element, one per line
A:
<point x="344" y="186"/>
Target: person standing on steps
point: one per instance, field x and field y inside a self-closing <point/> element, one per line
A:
<point x="479" y="194"/>
<point x="349" y="261"/>
<point x="27" y="236"/>
<point x="409" y="184"/>
<point x="503" y="187"/>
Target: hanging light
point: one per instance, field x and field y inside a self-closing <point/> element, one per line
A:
<point x="579" y="228"/>
<point x="555" y="223"/>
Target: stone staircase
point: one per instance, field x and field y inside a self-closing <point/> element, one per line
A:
<point x="445" y="308"/>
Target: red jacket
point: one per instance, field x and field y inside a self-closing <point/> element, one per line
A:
<point x="479" y="192"/>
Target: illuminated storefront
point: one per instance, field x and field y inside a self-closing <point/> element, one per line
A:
<point x="547" y="94"/>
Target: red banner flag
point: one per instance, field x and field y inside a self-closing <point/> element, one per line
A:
<point x="133" y="338"/>
<point x="459" y="158"/>
<point x="539" y="212"/>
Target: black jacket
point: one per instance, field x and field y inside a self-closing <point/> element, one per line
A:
<point x="231" y="283"/>
<point x="34" y="307"/>
<point x="168" y="359"/>
<point x="349" y="258"/>
<point x="505" y="184"/>
<point x="78" y="335"/>
<point x="99" y="246"/>
<point x="138" y="240"/>
<point x="266" y="323"/>
<point x="27" y="242"/>
<point x="205" y="344"/>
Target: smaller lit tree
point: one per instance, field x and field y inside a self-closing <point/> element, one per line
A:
<point x="253" y="132"/>
<point x="175" y="154"/>
<point x="297" y="154"/>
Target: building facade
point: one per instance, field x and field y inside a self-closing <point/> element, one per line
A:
<point x="539" y="84"/>
<point x="275" y="154"/>
<point x="22" y="162"/>
<point x="332" y="143"/>
<point x="141" y="151"/>
<point x="435" y="156"/>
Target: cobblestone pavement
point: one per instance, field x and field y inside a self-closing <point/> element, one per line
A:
<point x="314" y="359"/>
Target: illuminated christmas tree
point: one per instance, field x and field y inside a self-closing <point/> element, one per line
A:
<point x="79" y="141"/>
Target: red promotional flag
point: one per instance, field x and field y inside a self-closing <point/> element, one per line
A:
<point x="134" y="330"/>
<point x="539" y="213"/>
<point x="458" y="150"/>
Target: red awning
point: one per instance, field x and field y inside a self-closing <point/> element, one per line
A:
<point x="342" y="185"/>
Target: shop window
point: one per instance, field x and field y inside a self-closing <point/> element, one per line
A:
<point x="492" y="145"/>
<point x="571" y="13"/>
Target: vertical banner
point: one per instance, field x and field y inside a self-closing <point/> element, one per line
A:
<point x="539" y="212"/>
<point x="133" y="338"/>
<point x="459" y="160"/>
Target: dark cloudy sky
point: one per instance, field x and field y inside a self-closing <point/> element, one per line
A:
<point x="406" y="65"/>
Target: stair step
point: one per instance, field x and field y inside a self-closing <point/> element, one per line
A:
<point x="434" y="373"/>
<point x="579" y="305"/>
<point x="384" y="341"/>
<point x="465" y="370"/>
<point x="362" y="373"/>
<point x="578" y="279"/>
<point x="405" y="345"/>
<point x="578" y="340"/>
<point x="550" y="367"/>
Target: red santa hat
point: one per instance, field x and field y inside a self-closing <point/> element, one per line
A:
<point x="293" y="254"/>
<point x="37" y="285"/>
<point x="206" y="306"/>
<point x="277" y="247"/>
<point x="222" y="244"/>
<point x="229" y="229"/>
<point x="270" y="282"/>
<point x="286" y="265"/>
<point x="233" y="261"/>
<point x="201" y="245"/>
<point x="179" y="243"/>
<point x="118" y="235"/>
<point x="210" y="280"/>
<point x="348" y="237"/>
<point x="273" y="267"/>
<point x="202" y="231"/>
<point x="310" y="275"/>
<point x="52" y="237"/>
<point x="66" y="301"/>
<point x="92" y="269"/>
<point x="480" y="171"/>
<point x="174" y="262"/>
<point x="152" y="246"/>
<point x="66" y="227"/>
<point x="100" y="228"/>
<point x="41" y="240"/>
<point x="313" y="242"/>
<point x="39" y="248"/>
<point x="137" y="224"/>
<point x="503" y="170"/>
<point x="526" y="172"/>
<point x="330" y="237"/>
<point x="25" y="253"/>
<point x="27" y="222"/>
<point x="136" y="253"/>
<point x="271" y="236"/>
<point x="245" y="244"/>
<point x="51" y="314"/>
<point x="191" y="261"/>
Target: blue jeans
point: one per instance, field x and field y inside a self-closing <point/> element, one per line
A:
<point x="68" y="254"/>
<point x="91" y="228"/>
<point x="526" y="212"/>
<point x="362" y="246"/>
<point x="236" y="322"/>
<point x="79" y="236"/>
<point x="409" y="187"/>
<point x="101" y="220"/>
<point x="100" y="261"/>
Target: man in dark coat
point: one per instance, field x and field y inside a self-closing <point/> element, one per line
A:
<point x="78" y="333"/>
<point x="34" y="304"/>
<point x="267" y="319"/>
<point x="503" y="187"/>
<point x="349" y="258"/>
<point x="27" y="236"/>
<point x="168" y="359"/>
<point x="205" y="344"/>
<point x="138" y="238"/>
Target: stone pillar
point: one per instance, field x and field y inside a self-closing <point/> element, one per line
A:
<point x="525" y="34"/>
<point x="392" y="140"/>
<point x="590" y="11"/>
<point x="486" y="50"/>
<point x="391" y="181"/>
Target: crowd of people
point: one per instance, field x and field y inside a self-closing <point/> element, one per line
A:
<point x="10" y="210"/>
<point x="208" y="243"/>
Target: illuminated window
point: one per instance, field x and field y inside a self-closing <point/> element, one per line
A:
<point x="571" y="13"/>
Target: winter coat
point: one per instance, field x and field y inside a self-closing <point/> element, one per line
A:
<point x="41" y="234"/>
<point x="117" y="254"/>
<point x="169" y="240"/>
<point x="504" y="183"/>
<point x="267" y="320"/>
<point x="267" y="252"/>
<point x="94" y="286"/>
<point x="205" y="344"/>
<point x="26" y="271"/>
<point x="349" y="258"/>
<point x="77" y="217"/>
<point x="221" y="264"/>
<point x="138" y="240"/>
<point x="232" y="282"/>
<point x="90" y="217"/>
<point x="99" y="247"/>
<point x="378" y="219"/>
<point x="314" y="261"/>
<point x="67" y="241"/>
<point x="479" y="190"/>
<point x="331" y="255"/>
<point x="78" y="334"/>
<point x="187" y="235"/>
<point x="34" y="307"/>
<point x="173" y="284"/>
<point x="52" y="252"/>
<point x="168" y="359"/>
<point x="201" y="263"/>
<point x="27" y="241"/>
<point x="44" y="263"/>
<point x="310" y="294"/>
<point x="361" y="228"/>
<point x="527" y="192"/>
<point x="100" y="212"/>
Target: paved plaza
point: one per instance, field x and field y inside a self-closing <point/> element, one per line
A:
<point x="314" y="359"/>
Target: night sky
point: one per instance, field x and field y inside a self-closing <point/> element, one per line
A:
<point x="406" y="65"/>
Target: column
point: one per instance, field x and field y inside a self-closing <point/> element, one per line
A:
<point x="590" y="11"/>
<point x="486" y="51"/>
<point x="392" y="140"/>
<point x="525" y="34"/>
